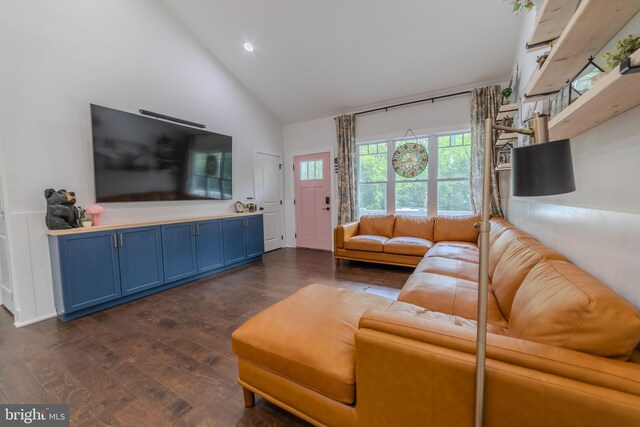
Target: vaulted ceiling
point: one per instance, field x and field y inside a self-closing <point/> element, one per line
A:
<point x="318" y="58"/>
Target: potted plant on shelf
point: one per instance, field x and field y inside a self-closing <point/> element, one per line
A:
<point x="506" y="93"/>
<point x="83" y="220"/>
<point x="518" y="5"/>
<point x="624" y="49"/>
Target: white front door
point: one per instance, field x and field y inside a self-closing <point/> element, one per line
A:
<point x="6" y="292"/>
<point x="269" y="198"/>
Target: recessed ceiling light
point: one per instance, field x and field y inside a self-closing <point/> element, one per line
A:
<point x="248" y="47"/>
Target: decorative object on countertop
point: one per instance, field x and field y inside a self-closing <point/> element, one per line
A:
<point x="624" y="48"/>
<point x="410" y="159"/>
<point x="95" y="211"/>
<point x="83" y="220"/>
<point x="251" y="207"/>
<point x="239" y="207"/>
<point x="61" y="211"/>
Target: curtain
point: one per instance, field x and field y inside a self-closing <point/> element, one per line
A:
<point x="347" y="171"/>
<point x="485" y="103"/>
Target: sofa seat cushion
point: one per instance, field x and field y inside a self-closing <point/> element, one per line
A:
<point x="366" y="242"/>
<point x="449" y="267"/>
<point x="465" y="252"/>
<point x="377" y="225"/>
<point x="561" y="305"/>
<point x="412" y="310"/>
<point x="451" y="296"/>
<point x="309" y="338"/>
<point x="407" y="246"/>
<point x="414" y="226"/>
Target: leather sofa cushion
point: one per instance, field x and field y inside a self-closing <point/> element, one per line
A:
<point x="407" y="246"/>
<point x="561" y="305"/>
<point x="467" y="252"/>
<point x="377" y="225"/>
<point x="414" y="226"/>
<point x="498" y="226"/>
<point x="449" y="267"/>
<point x="309" y="338"/>
<point x="449" y="295"/>
<point x="365" y="243"/>
<point x="461" y="228"/>
<point x="520" y="257"/>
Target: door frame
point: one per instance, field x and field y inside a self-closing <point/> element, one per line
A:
<point x="334" y="203"/>
<point x="13" y="305"/>
<point x="280" y="155"/>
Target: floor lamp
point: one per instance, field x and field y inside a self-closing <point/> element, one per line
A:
<point x="542" y="168"/>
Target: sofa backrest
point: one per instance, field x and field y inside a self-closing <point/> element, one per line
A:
<point x="456" y="228"/>
<point x="377" y="225"/>
<point x="513" y="266"/>
<point x="561" y="305"/>
<point x="498" y="226"/>
<point x="414" y="226"/>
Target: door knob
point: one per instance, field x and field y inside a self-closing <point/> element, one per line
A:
<point x="261" y="209"/>
<point x="326" y="209"/>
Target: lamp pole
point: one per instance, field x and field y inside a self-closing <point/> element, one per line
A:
<point x="539" y="133"/>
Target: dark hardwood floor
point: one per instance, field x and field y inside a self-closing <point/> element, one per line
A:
<point x="166" y="359"/>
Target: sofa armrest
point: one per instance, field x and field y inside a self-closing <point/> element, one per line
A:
<point x="595" y="370"/>
<point x="345" y="232"/>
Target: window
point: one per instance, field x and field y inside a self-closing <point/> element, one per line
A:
<point x="311" y="170"/>
<point x="443" y="188"/>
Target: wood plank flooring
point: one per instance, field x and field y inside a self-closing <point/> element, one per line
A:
<point x="166" y="359"/>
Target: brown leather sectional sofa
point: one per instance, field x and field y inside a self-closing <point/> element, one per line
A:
<point x="560" y="344"/>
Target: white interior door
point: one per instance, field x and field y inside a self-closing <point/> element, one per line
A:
<point x="269" y="198"/>
<point x="6" y="291"/>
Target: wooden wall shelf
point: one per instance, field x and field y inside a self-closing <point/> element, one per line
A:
<point x="553" y="17"/>
<point x="591" y="27"/>
<point x="610" y="96"/>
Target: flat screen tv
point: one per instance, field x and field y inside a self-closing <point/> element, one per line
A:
<point x="139" y="159"/>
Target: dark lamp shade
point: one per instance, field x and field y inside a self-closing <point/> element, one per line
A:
<point x="542" y="169"/>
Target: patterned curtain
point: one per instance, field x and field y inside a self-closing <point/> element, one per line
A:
<point x="485" y="103"/>
<point x="347" y="171"/>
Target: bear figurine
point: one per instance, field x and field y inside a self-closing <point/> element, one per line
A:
<point x="61" y="212"/>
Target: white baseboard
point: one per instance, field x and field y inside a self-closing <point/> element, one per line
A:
<point x="32" y="321"/>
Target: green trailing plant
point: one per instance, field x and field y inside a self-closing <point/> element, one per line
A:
<point x="506" y="92"/>
<point x="518" y="5"/>
<point x="82" y="215"/>
<point x="624" y="48"/>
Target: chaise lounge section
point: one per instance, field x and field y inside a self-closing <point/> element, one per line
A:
<point x="560" y="343"/>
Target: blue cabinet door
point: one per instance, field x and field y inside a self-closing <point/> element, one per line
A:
<point x="140" y="254"/>
<point x="234" y="242"/>
<point x="209" y="245"/>
<point x="89" y="269"/>
<point x="254" y="235"/>
<point x="179" y="251"/>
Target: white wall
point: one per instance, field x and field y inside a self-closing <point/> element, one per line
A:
<point x="320" y="135"/>
<point x="598" y="225"/>
<point x="57" y="57"/>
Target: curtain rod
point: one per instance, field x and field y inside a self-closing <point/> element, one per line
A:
<point x="432" y="99"/>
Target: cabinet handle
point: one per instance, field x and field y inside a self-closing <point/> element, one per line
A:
<point x="115" y="241"/>
<point x="197" y="229"/>
<point x="193" y="230"/>
<point x="121" y="240"/>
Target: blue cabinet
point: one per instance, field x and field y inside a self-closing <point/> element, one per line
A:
<point x="235" y="246"/>
<point x="254" y="236"/>
<point x="96" y="270"/>
<point x="209" y="245"/>
<point x="179" y="251"/>
<point x="88" y="265"/>
<point x="140" y="255"/>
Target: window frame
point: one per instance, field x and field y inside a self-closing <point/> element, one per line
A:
<point x="432" y="179"/>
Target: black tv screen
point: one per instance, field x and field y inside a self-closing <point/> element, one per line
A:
<point x="139" y="158"/>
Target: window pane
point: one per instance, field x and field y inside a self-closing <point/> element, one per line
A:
<point x="454" y="161"/>
<point x="372" y="199"/>
<point x="454" y="198"/>
<point x="373" y="166"/>
<point x="318" y="165"/>
<point x="303" y="171"/>
<point x="411" y="198"/>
